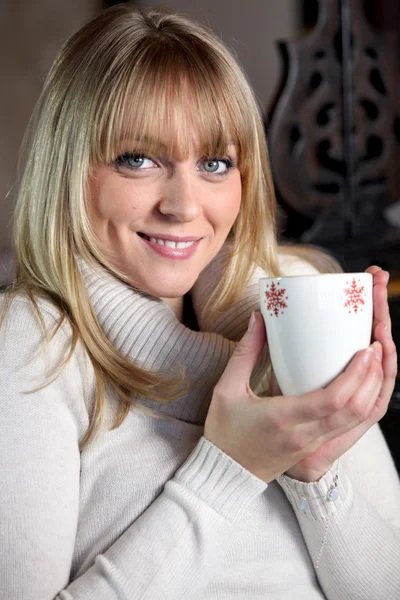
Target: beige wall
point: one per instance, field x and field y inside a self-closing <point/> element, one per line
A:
<point x="32" y="32"/>
<point x="250" y="27"/>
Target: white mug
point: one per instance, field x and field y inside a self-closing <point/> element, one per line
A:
<point x="315" y="324"/>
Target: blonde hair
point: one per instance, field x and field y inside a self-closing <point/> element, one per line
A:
<point x="128" y="75"/>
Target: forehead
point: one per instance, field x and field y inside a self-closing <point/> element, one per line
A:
<point x="171" y="117"/>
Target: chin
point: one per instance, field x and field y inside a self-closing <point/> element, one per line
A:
<point x="173" y="289"/>
<point x="161" y="281"/>
<point x="170" y="293"/>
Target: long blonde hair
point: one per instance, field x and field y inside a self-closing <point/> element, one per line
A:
<point x="124" y="76"/>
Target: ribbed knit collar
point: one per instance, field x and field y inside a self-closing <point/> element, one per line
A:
<point x="146" y="330"/>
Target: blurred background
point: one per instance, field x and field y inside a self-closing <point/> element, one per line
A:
<point x="326" y="78"/>
<point x="325" y="75"/>
<point x="31" y="34"/>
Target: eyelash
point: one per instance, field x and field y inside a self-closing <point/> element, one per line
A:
<point x="122" y="159"/>
<point x="230" y="164"/>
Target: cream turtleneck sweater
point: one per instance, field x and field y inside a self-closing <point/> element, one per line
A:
<point x="154" y="511"/>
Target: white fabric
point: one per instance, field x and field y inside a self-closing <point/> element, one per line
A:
<point x="152" y="510"/>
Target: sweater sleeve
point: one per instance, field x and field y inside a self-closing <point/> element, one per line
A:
<point x="198" y="510"/>
<point x="39" y="494"/>
<point x="353" y="534"/>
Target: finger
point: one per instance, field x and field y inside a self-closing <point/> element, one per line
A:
<point x="324" y="402"/>
<point x="384" y="337"/>
<point x="238" y="371"/>
<point x="356" y="412"/>
<point x="382" y="333"/>
<point x="373" y="269"/>
<point x="360" y="406"/>
<point x="380" y="277"/>
<point x="389" y="366"/>
<point x="339" y="392"/>
<point x="381" y="306"/>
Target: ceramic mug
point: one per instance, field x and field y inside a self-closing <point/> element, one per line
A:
<point x="315" y="324"/>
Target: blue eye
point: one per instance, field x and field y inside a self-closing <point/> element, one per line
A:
<point x="217" y="166"/>
<point x="134" y="161"/>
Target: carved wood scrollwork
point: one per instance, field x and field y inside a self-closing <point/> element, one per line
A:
<point x="316" y="116"/>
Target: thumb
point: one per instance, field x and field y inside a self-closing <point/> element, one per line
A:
<point x="245" y="356"/>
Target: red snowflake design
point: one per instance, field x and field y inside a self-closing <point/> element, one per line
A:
<point x="275" y="299"/>
<point x="354" y="297"/>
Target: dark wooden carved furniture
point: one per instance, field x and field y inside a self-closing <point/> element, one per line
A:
<point x="334" y="132"/>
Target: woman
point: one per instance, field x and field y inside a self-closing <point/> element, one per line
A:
<point x="136" y="460"/>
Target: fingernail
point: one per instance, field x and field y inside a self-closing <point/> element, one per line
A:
<point x="387" y="331"/>
<point x="252" y="323"/>
<point x="367" y="357"/>
<point x="377" y="350"/>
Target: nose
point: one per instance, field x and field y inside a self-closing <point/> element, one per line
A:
<point x="181" y="198"/>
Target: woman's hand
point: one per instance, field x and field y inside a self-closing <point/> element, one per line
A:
<point x="302" y="435"/>
<point x="315" y="465"/>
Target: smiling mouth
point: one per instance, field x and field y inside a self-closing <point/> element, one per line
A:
<point x="167" y="243"/>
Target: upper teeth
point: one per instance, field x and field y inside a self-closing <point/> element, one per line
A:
<point x="171" y="244"/>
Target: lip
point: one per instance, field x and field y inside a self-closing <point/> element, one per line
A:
<point x="172" y="253"/>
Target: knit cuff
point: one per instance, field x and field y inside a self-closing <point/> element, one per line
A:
<point x="318" y="499"/>
<point x="218" y="480"/>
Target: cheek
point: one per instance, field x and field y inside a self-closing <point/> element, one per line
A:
<point x="114" y="203"/>
<point x="228" y="208"/>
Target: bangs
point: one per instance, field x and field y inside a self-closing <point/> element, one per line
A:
<point x="164" y="96"/>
